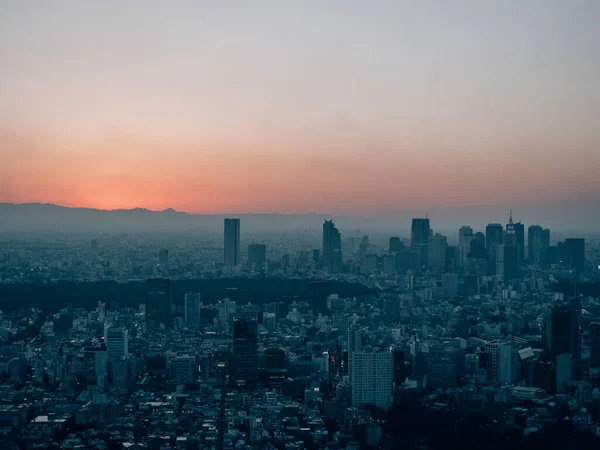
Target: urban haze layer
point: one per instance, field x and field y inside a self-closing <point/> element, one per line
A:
<point x="321" y="338"/>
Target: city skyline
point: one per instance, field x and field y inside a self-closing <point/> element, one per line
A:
<point x="248" y="110"/>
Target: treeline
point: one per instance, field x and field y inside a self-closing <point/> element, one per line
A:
<point x="52" y="296"/>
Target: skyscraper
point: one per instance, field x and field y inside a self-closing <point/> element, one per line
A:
<point x="158" y="303"/>
<point x="395" y="245"/>
<point x="595" y="345"/>
<point x="560" y="328"/>
<point x="232" y="242"/>
<point x="257" y="255"/>
<point x="520" y="238"/>
<point x="117" y="343"/>
<point x="245" y="352"/>
<point x="538" y="243"/>
<point x="372" y="379"/>
<point x="493" y="237"/>
<point x="419" y="240"/>
<point x="575" y="325"/>
<point x="575" y="254"/>
<point x="354" y="345"/>
<point x="506" y="261"/>
<point x="437" y="251"/>
<point x="465" y="236"/>
<point x="332" y="247"/>
<point x="191" y="310"/>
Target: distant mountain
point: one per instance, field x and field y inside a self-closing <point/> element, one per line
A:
<point x="570" y="219"/>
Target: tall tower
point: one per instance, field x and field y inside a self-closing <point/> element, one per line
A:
<point x="245" y="352"/>
<point x="117" y="343"/>
<point x="332" y="247"/>
<point x="493" y="237"/>
<point x="419" y="240"/>
<point x="465" y="236"/>
<point x="191" y="310"/>
<point x="538" y="243"/>
<point x="232" y="242"/>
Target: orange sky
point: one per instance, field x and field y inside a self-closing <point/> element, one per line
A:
<point x="121" y="171"/>
<point x="239" y="107"/>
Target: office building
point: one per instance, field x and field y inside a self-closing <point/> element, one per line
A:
<point x="226" y="310"/>
<point x="257" y="255"/>
<point x="274" y="358"/>
<point x="183" y="369"/>
<point x="354" y="346"/>
<point x="595" y="345"/>
<point x="191" y="310"/>
<point x="493" y="237"/>
<point x="506" y="262"/>
<point x="332" y="247"/>
<point x="438" y="245"/>
<point x="389" y="264"/>
<point x="538" y="244"/>
<point x="399" y="371"/>
<point x="575" y="326"/>
<point x="574" y="254"/>
<point x="520" y="241"/>
<point x="372" y="379"/>
<point x="95" y="362"/>
<point x="559" y="330"/>
<point x="163" y="256"/>
<point x="158" y="303"/>
<point x="419" y="240"/>
<point x="232" y="242"/>
<point x="444" y="367"/>
<point x="465" y="236"/>
<point x="245" y="352"/>
<point x="117" y="342"/>
<point x="369" y="264"/>
<point x="395" y="245"/>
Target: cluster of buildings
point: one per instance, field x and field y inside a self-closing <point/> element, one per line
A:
<point x="479" y="325"/>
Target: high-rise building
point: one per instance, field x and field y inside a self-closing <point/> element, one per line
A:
<point x="595" y="345"/>
<point x="232" y="242"/>
<point x="183" y="369"/>
<point x="574" y="249"/>
<point x="493" y="237"/>
<point x="520" y="239"/>
<point x="444" y="367"/>
<point x="95" y="362"/>
<point x="332" y="247"/>
<point x="257" y="255"/>
<point x="465" y="236"/>
<point x="575" y="326"/>
<point x="191" y="310"/>
<point x="226" y="309"/>
<point x="538" y="243"/>
<point x="354" y="345"/>
<point x="437" y="251"/>
<point x="372" y="379"/>
<point x="560" y="328"/>
<point x="419" y="240"/>
<point x="399" y="372"/>
<point x="395" y="245"/>
<point x="506" y="261"/>
<point x="274" y="358"/>
<point x="117" y="342"/>
<point x="245" y="352"/>
<point x="158" y="303"/>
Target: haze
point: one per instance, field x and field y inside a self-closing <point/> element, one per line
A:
<point x="340" y="107"/>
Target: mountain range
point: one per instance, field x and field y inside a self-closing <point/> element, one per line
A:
<point x="41" y="217"/>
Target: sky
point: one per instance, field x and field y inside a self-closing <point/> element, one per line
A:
<point x="340" y="106"/>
